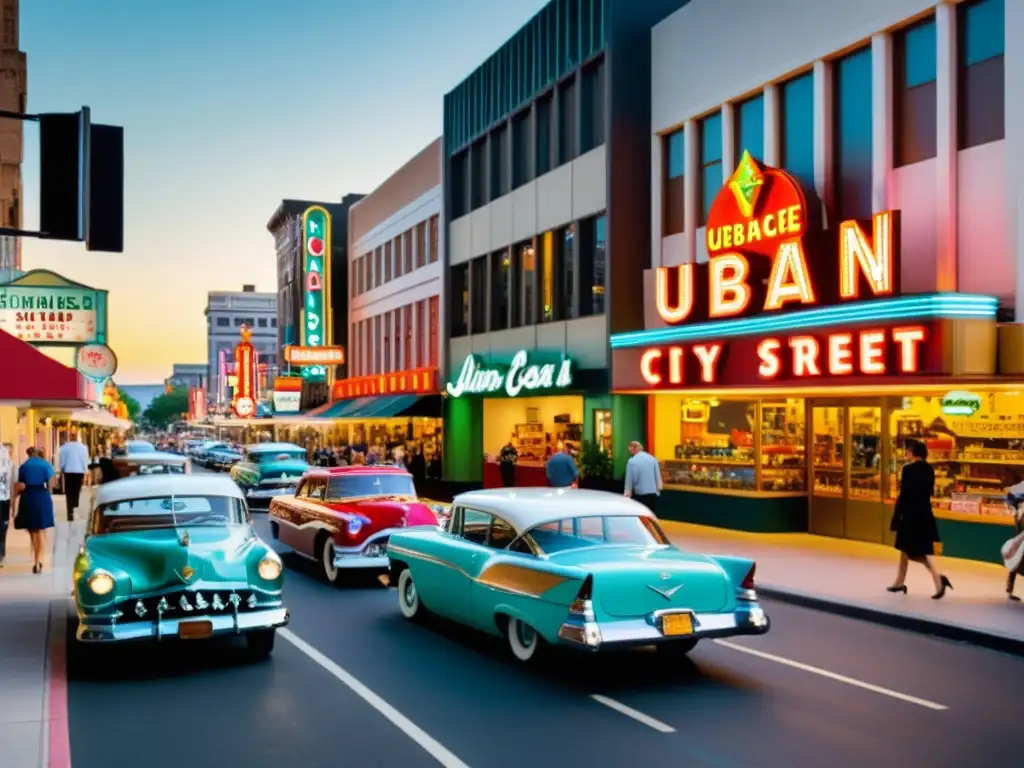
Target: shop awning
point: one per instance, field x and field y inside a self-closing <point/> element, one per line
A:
<point x="383" y="407"/>
<point x="99" y="419"/>
<point x="31" y="377"/>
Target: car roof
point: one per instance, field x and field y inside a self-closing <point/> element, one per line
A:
<point x="272" y="447"/>
<point x="361" y="469"/>
<point x="153" y="486"/>
<point x="526" y="508"/>
<point x="154" y="456"/>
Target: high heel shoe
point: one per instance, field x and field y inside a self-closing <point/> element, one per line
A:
<point x="36" y="567"/>
<point x="946" y="584"/>
<point x="901" y="588"/>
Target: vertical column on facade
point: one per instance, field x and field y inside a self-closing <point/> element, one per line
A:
<point x="823" y="135"/>
<point x="881" y="122"/>
<point x="691" y="189"/>
<point x="946" y="145"/>
<point x="416" y="331"/>
<point x="1013" y="61"/>
<point x="729" y="159"/>
<point x="772" y="154"/>
<point x="657" y="199"/>
<point x="556" y="127"/>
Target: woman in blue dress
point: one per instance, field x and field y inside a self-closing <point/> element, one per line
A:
<point x="35" y="504"/>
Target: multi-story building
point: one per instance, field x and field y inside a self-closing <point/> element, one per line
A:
<point x="13" y="96"/>
<point x="546" y="167"/>
<point x="188" y="375"/>
<point x="836" y="222"/>
<point x="226" y="313"/>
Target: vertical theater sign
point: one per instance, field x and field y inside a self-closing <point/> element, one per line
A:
<point x="315" y="319"/>
<point x="782" y="302"/>
<point x="244" y="401"/>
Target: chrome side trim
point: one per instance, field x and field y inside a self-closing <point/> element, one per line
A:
<point x="223" y="624"/>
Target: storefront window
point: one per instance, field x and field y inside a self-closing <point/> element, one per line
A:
<point x="866" y="453"/>
<point x="828" y="424"/>
<point x="536" y="427"/>
<point x="603" y="429"/>
<point x="706" y="443"/>
<point x="783" y="453"/>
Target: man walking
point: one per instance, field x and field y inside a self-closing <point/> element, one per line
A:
<point x="74" y="463"/>
<point x="643" y="477"/>
<point x="561" y="469"/>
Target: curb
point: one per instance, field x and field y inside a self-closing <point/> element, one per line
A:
<point x="989" y="640"/>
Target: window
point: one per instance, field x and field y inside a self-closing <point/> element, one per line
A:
<point x="501" y="289"/>
<point x="592" y="265"/>
<point x="387" y="343"/>
<point x="592" y="108"/>
<point x="502" y="534"/>
<point x="478" y="160"/>
<point x="421" y="247"/>
<point x="239" y="322"/>
<point x="565" y="239"/>
<point x="567" y="127"/>
<point x="528" y="278"/>
<point x="710" y="162"/>
<point x="429" y="351"/>
<point x="261" y="322"/>
<point x="475" y="526"/>
<point x="499" y="172"/>
<point x="273" y="323"/>
<point x="353" y="280"/>
<point x="460" y="184"/>
<point x="914" y="92"/>
<point x="407" y="244"/>
<point x="478" y="295"/>
<point x="853" y="127"/>
<point x="521" y="162"/>
<point x="377" y="368"/>
<point x="434" y="252"/>
<point x="388" y="261"/>
<point x="223" y="322"/>
<point x="673" y="211"/>
<point x="378" y="262"/>
<point x="549" y="275"/>
<point x="982" y="41"/>
<point x="542" y="145"/>
<point x="459" y="301"/>
<point x="797" y="129"/>
<point x="407" y="363"/>
<point x="576" y="532"/>
<point x="707" y="442"/>
<point x="365" y="484"/>
<point x="748" y="132"/>
<point x="400" y="264"/>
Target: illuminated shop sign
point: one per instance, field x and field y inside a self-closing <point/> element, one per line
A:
<point x="316" y="266"/>
<point x="420" y="381"/>
<point x="301" y="356"/>
<point x="960" y="404"/>
<point x="244" y="402"/>
<point x="522" y="376"/>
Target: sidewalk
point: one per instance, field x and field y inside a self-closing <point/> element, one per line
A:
<point x="850" y="577"/>
<point x="33" y="612"/>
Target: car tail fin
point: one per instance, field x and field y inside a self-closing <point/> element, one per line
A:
<point x="748" y="582"/>
<point x="583" y="604"/>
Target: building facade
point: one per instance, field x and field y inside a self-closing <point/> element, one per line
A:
<point x="188" y="375"/>
<point x="226" y="313"/>
<point x="836" y="235"/>
<point x="546" y="166"/>
<point x="13" y="97"/>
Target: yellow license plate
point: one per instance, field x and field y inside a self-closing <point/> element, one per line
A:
<point x="677" y="624"/>
<point x="195" y="630"/>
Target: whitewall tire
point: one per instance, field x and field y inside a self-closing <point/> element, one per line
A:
<point x="327" y="566"/>
<point x="409" y="597"/>
<point x="523" y="640"/>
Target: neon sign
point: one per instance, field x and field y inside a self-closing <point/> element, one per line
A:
<point x="960" y="404"/>
<point x="244" y="402"/>
<point x="520" y="376"/>
<point x="316" y="266"/>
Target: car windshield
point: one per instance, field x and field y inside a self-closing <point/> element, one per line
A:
<point x="576" y="532"/>
<point x="139" y="446"/>
<point x="270" y="457"/>
<point x="170" y="468"/>
<point x="394" y="484"/>
<point x="168" y="512"/>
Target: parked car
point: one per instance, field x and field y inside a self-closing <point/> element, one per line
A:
<point x="175" y="556"/>
<point x="223" y="459"/>
<point x="202" y="454"/>
<point x="154" y="463"/>
<point x="269" y="470"/>
<point x="139" y="446"/>
<point x="342" y="517"/>
<point x="578" y="568"/>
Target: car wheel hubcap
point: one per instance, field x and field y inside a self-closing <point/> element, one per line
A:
<point x="526" y="634"/>
<point x="410" y="593"/>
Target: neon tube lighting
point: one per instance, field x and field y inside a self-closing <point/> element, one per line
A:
<point x="940" y="305"/>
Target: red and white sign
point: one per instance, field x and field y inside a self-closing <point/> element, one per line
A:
<point x="96" y="361"/>
<point x="244" y="402"/>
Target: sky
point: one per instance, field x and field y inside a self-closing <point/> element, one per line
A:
<point x="229" y="106"/>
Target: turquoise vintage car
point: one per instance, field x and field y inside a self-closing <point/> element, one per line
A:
<point x="175" y="556"/>
<point x="578" y="568"/>
<point x="268" y="470"/>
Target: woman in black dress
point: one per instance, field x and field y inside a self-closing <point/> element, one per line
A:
<point x="917" y="533"/>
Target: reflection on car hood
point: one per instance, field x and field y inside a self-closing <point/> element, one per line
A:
<point x="156" y="559"/>
<point x="387" y="511"/>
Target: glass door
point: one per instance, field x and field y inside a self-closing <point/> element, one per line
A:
<point x="828" y="428"/>
<point x="865" y="512"/>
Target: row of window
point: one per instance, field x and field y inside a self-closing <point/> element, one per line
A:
<point x="562" y="124"/>
<point x="980" y="89"/>
<point x="395" y="258"/>
<point x="559" y="275"/>
<point x="225" y="322"/>
<point x="398" y="340"/>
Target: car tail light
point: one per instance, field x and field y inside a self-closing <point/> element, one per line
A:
<point x="583" y="604"/>
<point x="748" y="582"/>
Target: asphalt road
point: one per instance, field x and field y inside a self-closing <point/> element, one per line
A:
<point x="352" y="683"/>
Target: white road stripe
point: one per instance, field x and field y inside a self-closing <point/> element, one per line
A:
<point x="834" y="676"/>
<point x="640" y="717"/>
<point x="400" y="721"/>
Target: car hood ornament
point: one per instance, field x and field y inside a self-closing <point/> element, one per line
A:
<point x="666" y="593"/>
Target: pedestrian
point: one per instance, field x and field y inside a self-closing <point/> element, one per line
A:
<point x="35" y="504"/>
<point x="643" y="477"/>
<point x="507" y="465"/>
<point x="1013" y="550"/>
<point x="7" y="480"/>
<point x="561" y="469"/>
<point x="74" y="463"/>
<point x="917" y="533"/>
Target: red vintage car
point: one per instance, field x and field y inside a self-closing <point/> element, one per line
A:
<point x="342" y="517"/>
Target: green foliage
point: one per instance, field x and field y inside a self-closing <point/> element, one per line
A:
<point x="595" y="463"/>
<point x="134" y="409"/>
<point x="166" y="409"/>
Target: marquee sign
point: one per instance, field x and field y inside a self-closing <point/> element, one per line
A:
<point x="302" y="356"/>
<point x="315" y="318"/>
<point x="45" y="309"/>
<point x="244" y="401"/>
<point x="521" y="376"/>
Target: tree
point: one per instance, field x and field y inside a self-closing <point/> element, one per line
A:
<point x="134" y="409"/>
<point x="166" y="409"/>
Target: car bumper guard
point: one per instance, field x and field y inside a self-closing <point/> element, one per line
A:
<point x="97" y="629"/>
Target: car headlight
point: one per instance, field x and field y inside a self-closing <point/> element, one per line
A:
<point x="269" y="568"/>
<point x="355" y="525"/>
<point x="101" y="583"/>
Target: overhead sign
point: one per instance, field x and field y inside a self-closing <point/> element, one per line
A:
<point x="522" y="376"/>
<point x="45" y="309"/>
<point x="322" y="356"/>
<point x="96" y="361"/>
<point x="287" y="402"/>
<point x="244" y="401"/>
<point x="423" y="381"/>
<point x="960" y="403"/>
<point x="316" y="276"/>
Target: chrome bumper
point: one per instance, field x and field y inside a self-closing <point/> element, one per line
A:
<point x="267" y="494"/>
<point x="98" y="630"/>
<point x="748" y="619"/>
<point x="357" y="557"/>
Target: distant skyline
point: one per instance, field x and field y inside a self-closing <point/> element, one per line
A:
<point x="228" y="107"/>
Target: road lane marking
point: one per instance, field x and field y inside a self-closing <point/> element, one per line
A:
<point x="430" y="745"/>
<point x="640" y="717"/>
<point x="834" y="676"/>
